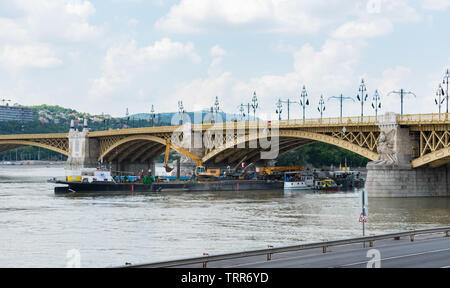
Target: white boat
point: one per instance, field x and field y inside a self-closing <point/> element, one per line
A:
<point x="298" y="181"/>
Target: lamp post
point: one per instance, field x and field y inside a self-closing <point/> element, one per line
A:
<point x="341" y="100"/>
<point x="321" y="107"/>
<point x="255" y="105"/>
<point x="152" y="115"/>
<point x="440" y="98"/>
<point x="304" y="101"/>
<point x="127" y="115"/>
<point x="181" y="111"/>
<point x="242" y="111"/>
<point x="377" y="105"/>
<point x="279" y="109"/>
<point x="216" y="108"/>
<point x="362" y="96"/>
<point x="446" y="82"/>
<point x="402" y="94"/>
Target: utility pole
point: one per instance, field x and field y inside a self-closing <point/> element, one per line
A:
<point x="362" y="97"/>
<point x="341" y="100"/>
<point x="402" y="94"/>
<point x="255" y="105"/>
<point x="377" y="99"/>
<point x="279" y="108"/>
<point x="289" y="102"/>
<point x="304" y="101"/>
<point x="440" y="98"/>
<point x="321" y="107"/>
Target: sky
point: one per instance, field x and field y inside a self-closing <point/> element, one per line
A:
<point x="105" y="56"/>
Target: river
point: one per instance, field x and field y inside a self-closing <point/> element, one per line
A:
<point x="37" y="228"/>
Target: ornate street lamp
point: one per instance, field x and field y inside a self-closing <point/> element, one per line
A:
<point x="152" y="115"/>
<point x="255" y="105"/>
<point x="321" y="107"/>
<point x="242" y="111"/>
<point x="362" y="96"/>
<point x="377" y="103"/>
<point x="446" y="82"/>
<point x="304" y="101"/>
<point x="181" y="111"/>
<point x="279" y="108"/>
<point x="440" y="98"/>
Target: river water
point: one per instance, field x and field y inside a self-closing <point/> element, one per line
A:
<point x="37" y="228"/>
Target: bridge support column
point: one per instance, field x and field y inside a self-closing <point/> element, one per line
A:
<point x="83" y="151"/>
<point x="392" y="175"/>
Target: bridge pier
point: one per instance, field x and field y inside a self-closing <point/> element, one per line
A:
<point x="83" y="151"/>
<point x="392" y="174"/>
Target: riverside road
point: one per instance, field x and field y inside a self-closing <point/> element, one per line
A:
<point x="431" y="251"/>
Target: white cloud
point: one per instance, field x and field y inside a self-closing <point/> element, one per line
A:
<point x="81" y="9"/>
<point x="54" y="20"/>
<point x="326" y="70"/>
<point x="123" y="62"/>
<point x="364" y="29"/>
<point x="436" y="4"/>
<point x="28" y="56"/>
<point x="308" y="16"/>
<point x="217" y="51"/>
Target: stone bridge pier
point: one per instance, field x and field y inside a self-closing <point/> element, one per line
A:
<point x="83" y="151"/>
<point x="392" y="174"/>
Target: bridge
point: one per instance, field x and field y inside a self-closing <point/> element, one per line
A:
<point x="413" y="151"/>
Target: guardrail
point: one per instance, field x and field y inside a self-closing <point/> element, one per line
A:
<point x="270" y="251"/>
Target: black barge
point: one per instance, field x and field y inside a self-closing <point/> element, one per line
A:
<point x="130" y="188"/>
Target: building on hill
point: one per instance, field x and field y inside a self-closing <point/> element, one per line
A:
<point x="15" y="113"/>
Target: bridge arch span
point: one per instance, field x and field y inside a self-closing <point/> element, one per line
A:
<point x="292" y="139"/>
<point x="434" y="159"/>
<point x="20" y="143"/>
<point x="143" y="147"/>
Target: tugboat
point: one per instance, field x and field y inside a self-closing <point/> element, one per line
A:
<point x="326" y="184"/>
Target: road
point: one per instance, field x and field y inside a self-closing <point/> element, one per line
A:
<point x="432" y="251"/>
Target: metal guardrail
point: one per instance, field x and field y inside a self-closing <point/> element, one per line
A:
<point x="269" y="252"/>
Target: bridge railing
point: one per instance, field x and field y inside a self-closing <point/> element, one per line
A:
<point x="330" y="121"/>
<point x="337" y="121"/>
<point x="424" y="118"/>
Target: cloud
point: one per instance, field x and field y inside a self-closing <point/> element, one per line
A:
<point x="364" y="29"/>
<point x="325" y="70"/>
<point x="288" y="16"/>
<point x="52" y="20"/>
<point x="28" y="56"/>
<point x="123" y="62"/>
<point x="441" y="5"/>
